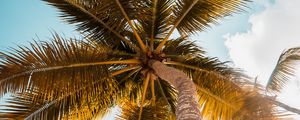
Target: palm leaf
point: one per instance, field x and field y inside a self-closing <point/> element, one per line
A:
<point x="58" y="70"/>
<point x="158" y="112"/>
<point x="203" y="13"/>
<point x="86" y="102"/>
<point x="182" y="47"/>
<point x="100" y="20"/>
<point x="56" y="66"/>
<point x="191" y="16"/>
<point x="260" y="91"/>
<point x="19" y="105"/>
<point x="258" y="108"/>
<point x="284" y="69"/>
<point x="131" y="87"/>
<point x="220" y="96"/>
<point x="156" y="20"/>
<point x="167" y="93"/>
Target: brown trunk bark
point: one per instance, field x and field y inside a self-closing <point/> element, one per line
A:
<point x="187" y="107"/>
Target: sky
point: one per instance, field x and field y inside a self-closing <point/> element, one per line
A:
<point x="252" y="40"/>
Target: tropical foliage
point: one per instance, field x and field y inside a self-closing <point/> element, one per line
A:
<point x="85" y="78"/>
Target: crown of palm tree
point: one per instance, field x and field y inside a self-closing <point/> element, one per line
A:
<point x="82" y="79"/>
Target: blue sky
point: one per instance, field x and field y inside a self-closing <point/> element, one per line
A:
<point x="212" y="38"/>
<point x="23" y="20"/>
<point x="237" y="38"/>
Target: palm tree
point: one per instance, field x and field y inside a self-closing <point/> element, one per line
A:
<point x="127" y="59"/>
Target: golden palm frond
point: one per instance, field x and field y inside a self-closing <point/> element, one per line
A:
<point x="55" y="66"/>
<point x="20" y="105"/>
<point x="71" y="75"/>
<point x="100" y="20"/>
<point x="86" y="102"/>
<point x="130" y="111"/>
<point x="203" y="13"/>
<point x="131" y="89"/>
<point x="148" y="20"/>
<point x="79" y="79"/>
<point x="167" y="93"/>
<point x="220" y="96"/>
<point x="191" y="16"/>
<point x="157" y="18"/>
<point x="284" y="69"/>
<point x="182" y="47"/>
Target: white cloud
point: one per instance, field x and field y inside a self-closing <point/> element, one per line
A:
<point x="273" y="30"/>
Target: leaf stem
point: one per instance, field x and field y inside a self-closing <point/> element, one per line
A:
<point x="142" y="45"/>
<point x="160" y="46"/>
<point x="146" y="82"/>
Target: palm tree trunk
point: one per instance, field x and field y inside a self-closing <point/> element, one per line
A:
<point x="187" y="107"/>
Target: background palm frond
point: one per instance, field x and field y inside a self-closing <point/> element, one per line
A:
<point x="284" y="69"/>
<point x="259" y="108"/>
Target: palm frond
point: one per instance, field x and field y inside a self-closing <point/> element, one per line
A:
<point x="19" y="105"/>
<point x="203" y="13"/>
<point x="166" y="93"/>
<point x="220" y="96"/>
<point x="86" y="102"/>
<point x="130" y="23"/>
<point x="158" y="112"/>
<point x="258" y="108"/>
<point x="213" y="65"/>
<point x="191" y="16"/>
<point x="182" y="47"/>
<point x="131" y="87"/>
<point x="283" y="105"/>
<point x="100" y="20"/>
<point x="55" y="66"/>
<point x="260" y="90"/>
<point x="284" y="69"/>
<point x="157" y="20"/>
